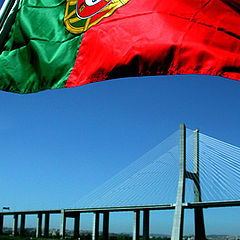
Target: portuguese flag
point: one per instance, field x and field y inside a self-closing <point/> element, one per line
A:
<point x="67" y="43"/>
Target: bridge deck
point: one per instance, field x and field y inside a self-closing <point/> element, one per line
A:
<point x="131" y="208"/>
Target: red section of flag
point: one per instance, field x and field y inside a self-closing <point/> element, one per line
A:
<point x="85" y="11"/>
<point x="162" y="37"/>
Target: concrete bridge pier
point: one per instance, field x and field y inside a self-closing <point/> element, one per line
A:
<point x="177" y="230"/>
<point x="39" y="225"/>
<point x="76" y="224"/>
<point x="194" y="176"/>
<point x="136" y="224"/>
<point x="15" y="225"/>
<point x="22" y="225"/>
<point x="105" y="225"/>
<point x="199" y="224"/>
<point x="146" y="224"/>
<point x="198" y="212"/>
<point x="64" y="216"/>
<point x="95" y="231"/>
<point x="1" y="223"/>
<point x="63" y="224"/>
<point x="46" y="225"/>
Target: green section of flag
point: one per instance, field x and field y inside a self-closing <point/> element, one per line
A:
<point x="39" y="53"/>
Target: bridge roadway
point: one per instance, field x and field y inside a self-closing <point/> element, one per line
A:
<point x="75" y="213"/>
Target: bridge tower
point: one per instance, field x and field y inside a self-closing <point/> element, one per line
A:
<point x="177" y="230"/>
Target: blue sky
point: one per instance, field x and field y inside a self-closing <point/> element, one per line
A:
<point x="71" y="140"/>
<point x="58" y="145"/>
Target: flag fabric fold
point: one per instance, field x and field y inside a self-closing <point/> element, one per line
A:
<point x="133" y="38"/>
<point x="8" y="11"/>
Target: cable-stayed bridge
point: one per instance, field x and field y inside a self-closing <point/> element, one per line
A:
<point x="188" y="170"/>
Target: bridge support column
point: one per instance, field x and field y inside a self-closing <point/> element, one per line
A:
<point x="136" y="224"/>
<point x="15" y="224"/>
<point x="177" y="230"/>
<point x="46" y="225"/>
<point x="63" y="224"/>
<point x="22" y="225"/>
<point x="1" y="223"/>
<point x="95" y="232"/>
<point x="198" y="212"/>
<point x="145" y="224"/>
<point x="76" y="224"/>
<point x="39" y="225"/>
<point x="199" y="224"/>
<point x="105" y="225"/>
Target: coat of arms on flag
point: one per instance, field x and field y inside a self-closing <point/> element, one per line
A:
<point x="80" y="15"/>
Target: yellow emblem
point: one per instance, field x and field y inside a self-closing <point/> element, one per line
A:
<point x="80" y="15"/>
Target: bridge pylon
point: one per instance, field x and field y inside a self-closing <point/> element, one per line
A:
<point x="177" y="229"/>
